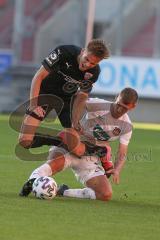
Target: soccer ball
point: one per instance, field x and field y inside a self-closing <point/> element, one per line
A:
<point x="44" y="188"/>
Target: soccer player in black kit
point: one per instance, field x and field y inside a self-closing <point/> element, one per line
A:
<point x="62" y="83"/>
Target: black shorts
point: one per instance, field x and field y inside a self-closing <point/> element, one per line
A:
<point x="62" y="107"/>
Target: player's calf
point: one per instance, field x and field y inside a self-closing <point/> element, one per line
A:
<point x="39" y="140"/>
<point x="25" y="142"/>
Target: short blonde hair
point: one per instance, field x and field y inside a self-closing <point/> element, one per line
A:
<point x="98" y="48"/>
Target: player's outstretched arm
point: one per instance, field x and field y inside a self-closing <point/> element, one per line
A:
<point x="35" y="86"/>
<point x="119" y="163"/>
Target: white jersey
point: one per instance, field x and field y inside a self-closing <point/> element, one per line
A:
<point x="99" y="126"/>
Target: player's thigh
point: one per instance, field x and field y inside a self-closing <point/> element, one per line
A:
<point x="65" y="115"/>
<point x="28" y="127"/>
<point x="102" y="187"/>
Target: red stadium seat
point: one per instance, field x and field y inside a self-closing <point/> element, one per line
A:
<point x="3" y="3"/>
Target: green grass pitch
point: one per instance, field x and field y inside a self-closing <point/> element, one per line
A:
<point x="132" y="214"/>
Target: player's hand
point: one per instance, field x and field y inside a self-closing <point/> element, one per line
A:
<point x="115" y="175"/>
<point x="38" y="110"/>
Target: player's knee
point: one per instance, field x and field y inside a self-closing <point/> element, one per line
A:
<point x="57" y="164"/>
<point x="25" y="142"/>
<point x="79" y="150"/>
<point x="65" y="134"/>
<point x="69" y="134"/>
<point x="106" y="196"/>
<point x="71" y="138"/>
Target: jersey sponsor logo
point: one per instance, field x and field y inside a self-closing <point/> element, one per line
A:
<point x="73" y="85"/>
<point x="100" y="134"/>
<point x="52" y="59"/>
<point x="70" y="87"/>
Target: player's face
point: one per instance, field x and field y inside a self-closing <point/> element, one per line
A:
<point x="87" y="60"/>
<point x="119" y="108"/>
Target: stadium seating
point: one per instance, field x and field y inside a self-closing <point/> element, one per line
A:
<point x="6" y="25"/>
<point x="142" y="43"/>
<point x="3" y="3"/>
<point x="36" y="13"/>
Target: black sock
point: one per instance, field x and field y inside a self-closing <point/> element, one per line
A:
<point x="41" y="139"/>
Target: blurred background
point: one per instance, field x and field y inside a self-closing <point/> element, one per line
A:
<point x="30" y="29"/>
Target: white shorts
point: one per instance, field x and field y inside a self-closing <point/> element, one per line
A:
<point x="84" y="168"/>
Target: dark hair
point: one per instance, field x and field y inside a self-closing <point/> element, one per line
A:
<point x="129" y="95"/>
<point x="98" y="48"/>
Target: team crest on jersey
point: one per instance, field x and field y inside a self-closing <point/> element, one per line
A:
<point x="116" y="131"/>
<point x="52" y="58"/>
<point x="88" y="75"/>
<point x="100" y="134"/>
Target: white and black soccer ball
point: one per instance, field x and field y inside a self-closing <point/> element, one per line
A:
<point x="44" y="188"/>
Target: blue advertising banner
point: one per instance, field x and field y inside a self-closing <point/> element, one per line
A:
<point x="120" y="72"/>
<point x="5" y="62"/>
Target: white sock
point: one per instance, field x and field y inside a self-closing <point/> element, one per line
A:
<point x="42" y="171"/>
<point x="80" y="193"/>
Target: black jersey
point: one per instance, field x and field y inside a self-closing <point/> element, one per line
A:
<point x="64" y="77"/>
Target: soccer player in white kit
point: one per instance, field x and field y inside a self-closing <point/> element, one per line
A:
<point x="103" y="122"/>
